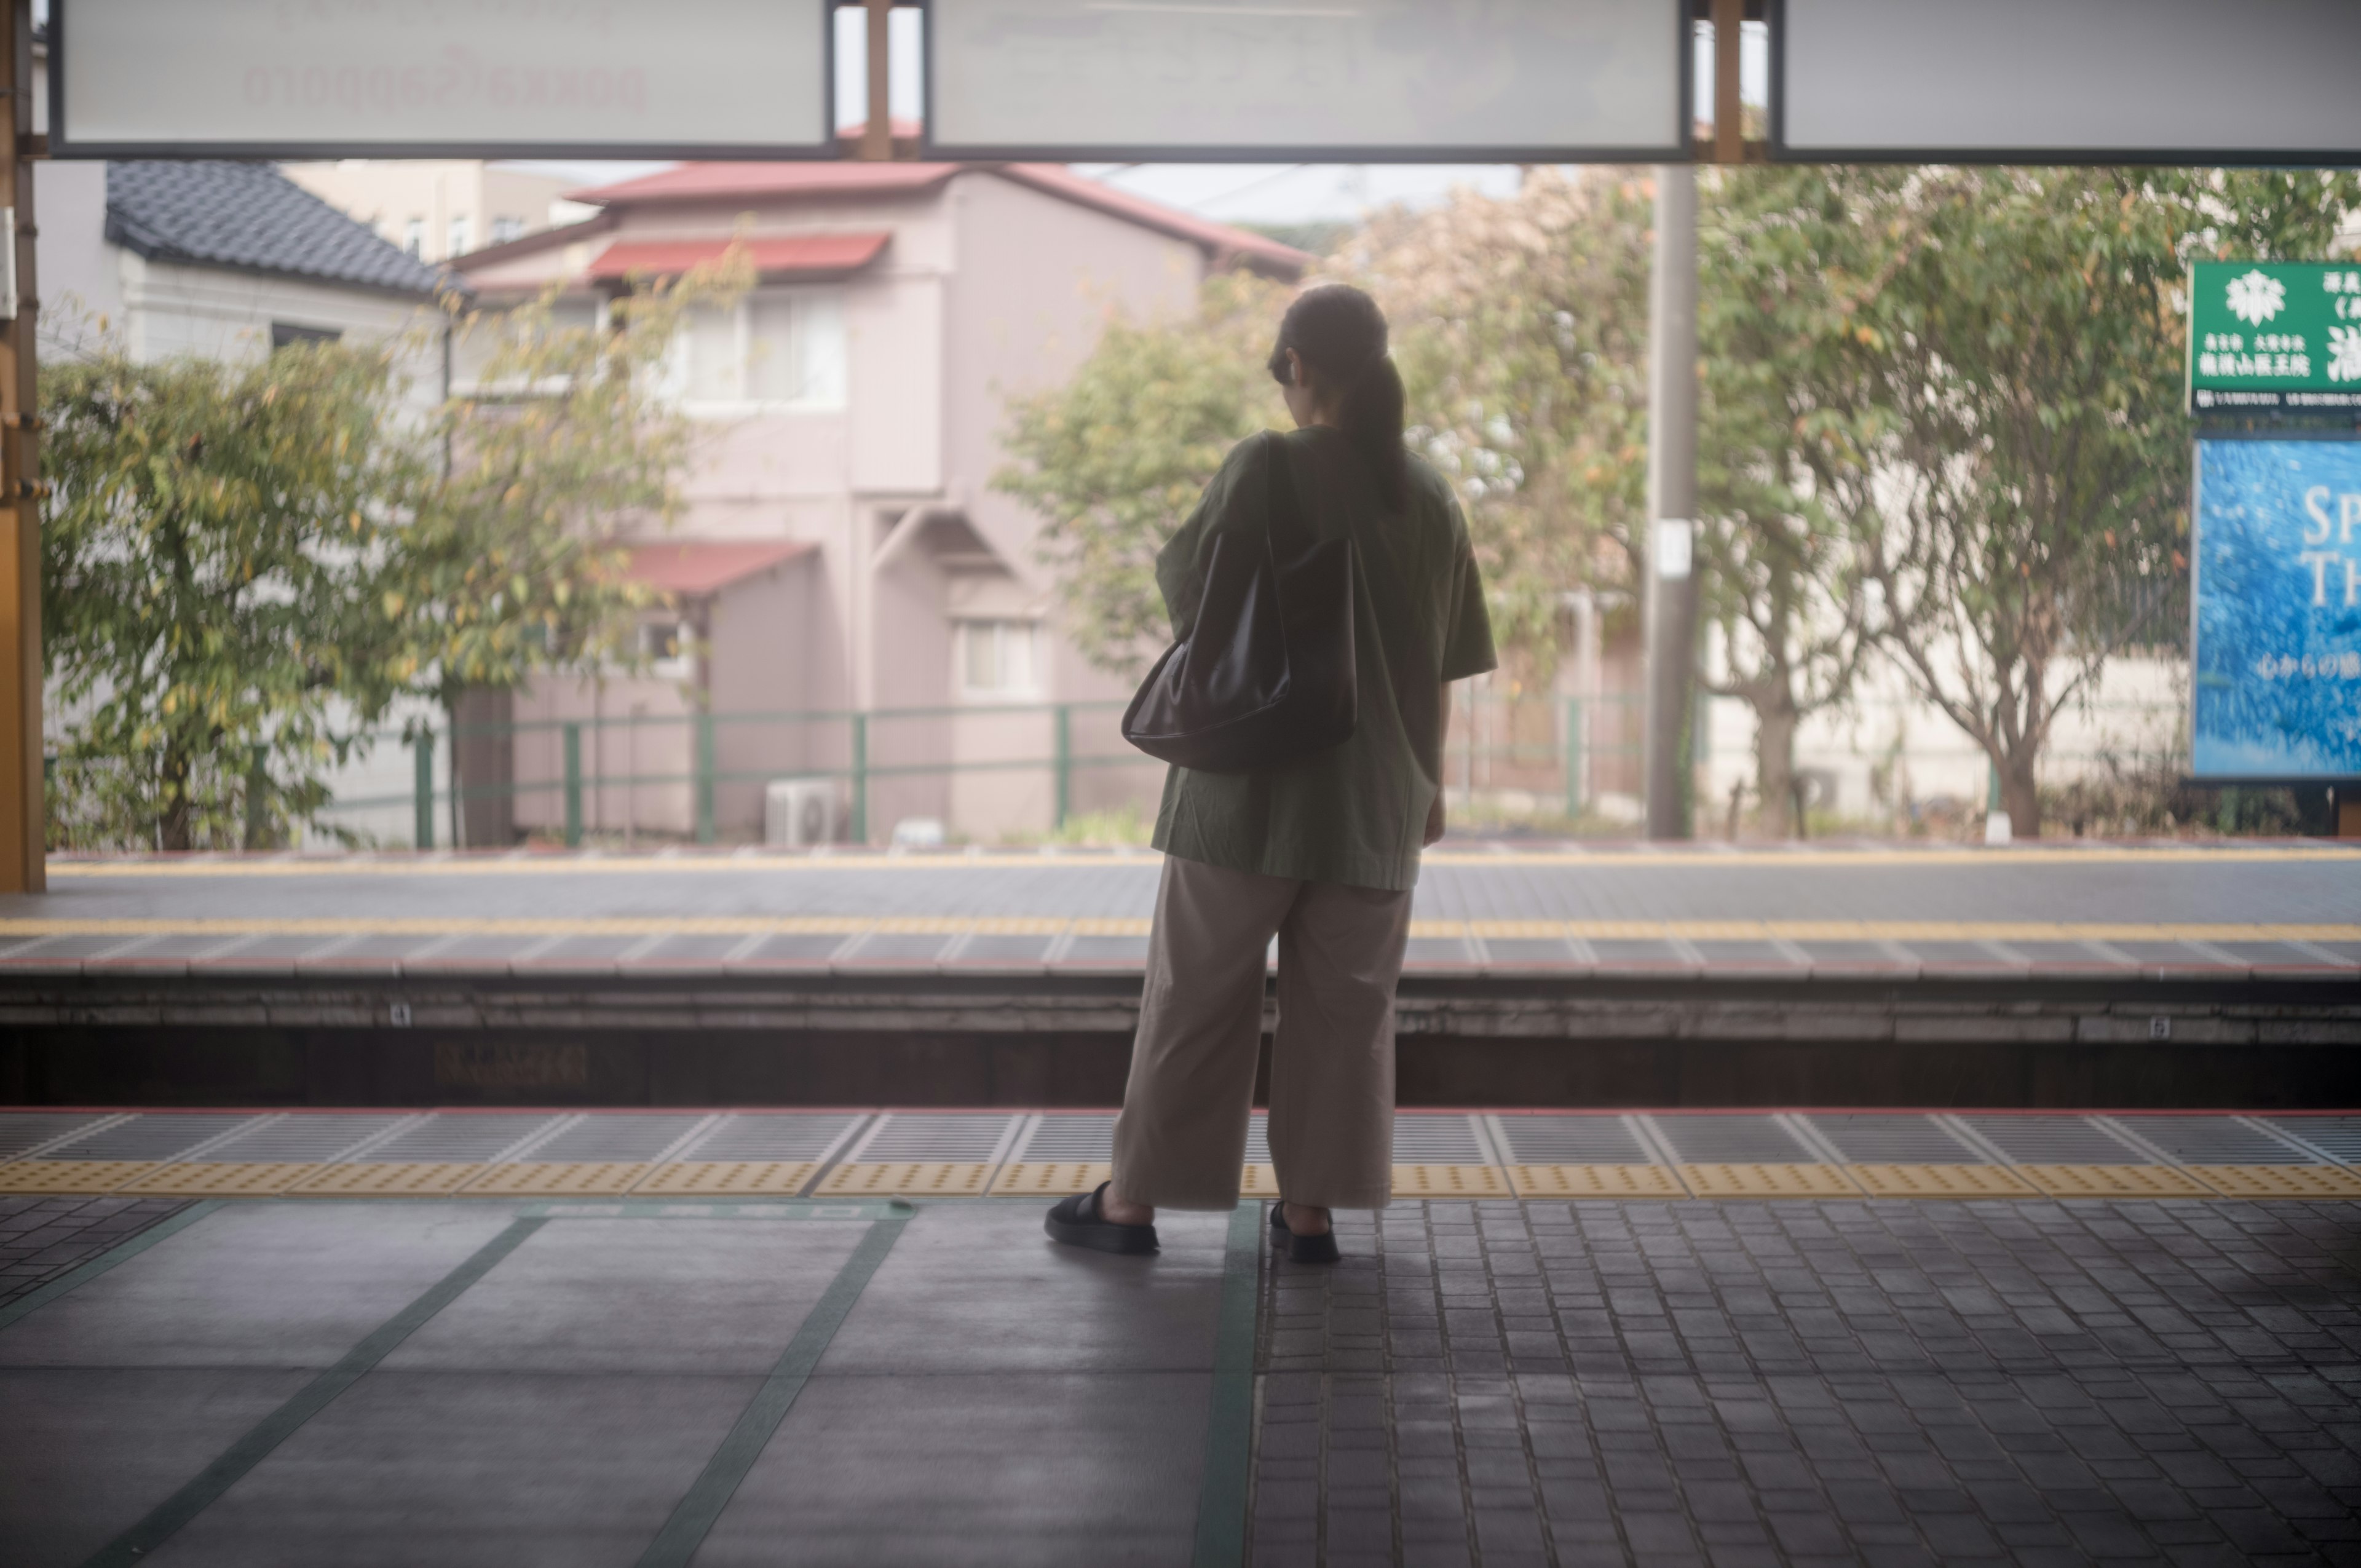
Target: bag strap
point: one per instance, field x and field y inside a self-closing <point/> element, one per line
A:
<point x="1284" y="528"/>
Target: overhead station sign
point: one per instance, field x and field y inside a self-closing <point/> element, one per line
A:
<point x="426" y="78"/>
<point x="1391" y="81"/>
<point x="2274" y="334"/>
<point x="2276" y="692"/>
<point x="2197" y="81"/>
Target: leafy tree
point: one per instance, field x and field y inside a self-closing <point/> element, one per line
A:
<point x="1114" y="459"/>
<point x="1788" y="423"/>
<point x="222" y="573"/>
<point x="2027" y="331"/>
<point x="247" y="565"/>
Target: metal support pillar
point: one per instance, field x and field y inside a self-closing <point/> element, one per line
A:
<point x="23" y="817"/>
<point x="704" y="769"/>
<point x="1669" y="606"/>
<point x="573" y="733"/>
<point x="421" y="786"/>
<point x="860" y="833"/>
<point x="1065" y="764"/>
<point x="877" y="138"/>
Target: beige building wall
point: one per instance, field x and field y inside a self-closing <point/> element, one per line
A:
<point x="437" y="208"/>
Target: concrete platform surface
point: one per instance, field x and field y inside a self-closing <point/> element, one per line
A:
<point x="1503" y="1381"/>
<point x="1675" y="1337"/>
<point x="2237" y="910"/>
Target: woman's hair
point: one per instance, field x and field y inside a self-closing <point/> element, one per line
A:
<point x="1340" y="334"/>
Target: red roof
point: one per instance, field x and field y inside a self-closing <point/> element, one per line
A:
<point x="805" y="254"/>
<point x="697" y="567"/>
<point x="755" y="182"/>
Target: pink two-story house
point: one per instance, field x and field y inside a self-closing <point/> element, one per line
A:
<point x="843" y="551"/>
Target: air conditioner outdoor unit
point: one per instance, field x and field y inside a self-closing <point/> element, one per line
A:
<point x="799" y="813"/>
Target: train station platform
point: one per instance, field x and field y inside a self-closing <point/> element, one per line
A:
<point x="739" y="1337"/>
<point x="1537" y="975"/>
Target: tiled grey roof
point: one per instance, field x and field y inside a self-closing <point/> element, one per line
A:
<point x="251" y="218"/>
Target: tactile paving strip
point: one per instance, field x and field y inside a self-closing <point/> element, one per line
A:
<point x="2280" y="1181"/>
<point x="70" y="1175"/>
<point x="1768" y="1181"/>
<point x="1259" y="1181"/>
<point x="1939" y="1180"/>
<point x="908" y="1178"/>
<point x="1628" y="1180"/>
<point x="1450" y="1181"/>
<point x="223" y="1179"/>
<point x="557" y="1179"/>
<point x="1053" y="1177"/>
<point x="709" y="1178"/>
<point x="393" y="1179"/>
<point x="2114" y="1182"/>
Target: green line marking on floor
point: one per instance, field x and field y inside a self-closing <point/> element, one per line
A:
<point x="201" y="1493"/>
<point x="1229" y="1412"/>
<point x="694" y="1515"/>
<point x="122" y="1252"/>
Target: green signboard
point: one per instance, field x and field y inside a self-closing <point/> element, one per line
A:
<point x="2274" y="334"/>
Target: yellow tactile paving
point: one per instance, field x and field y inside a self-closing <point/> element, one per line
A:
<point x="224" y="1178"/>
<point x="557" y="1178"/>
<point x="909" y="1179"/>
<point x="1450" y="1181"/>
<point x="391" y="1179"/>
<point x="1768" y="1181"/>
<point x="1259" y="1181"/>
<point x="1595" y="1182"/>
<point x="1939" y="1180"/>
<point x="2114" y="1182"/>
<point x="1050" y="1178"/>
<point x="725" y="1178"/>
<point x="2280" y="1180"/>
<point x="70" y="1175"/>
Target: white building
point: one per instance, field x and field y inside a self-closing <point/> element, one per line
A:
<point x="439" y="208"/>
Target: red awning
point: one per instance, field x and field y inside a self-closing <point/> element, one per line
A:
<point x="809" y="255"/>
<point x="696" y="568"/>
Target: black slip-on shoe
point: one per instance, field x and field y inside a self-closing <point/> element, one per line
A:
<point x="1077" y="1222"/>
<point x="1321" y="1248"/>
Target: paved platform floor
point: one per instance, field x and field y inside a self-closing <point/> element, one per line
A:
<point x="1501" y="1382"/>
<point x="2232" y="910"/>
<point x="840" y="1337"/>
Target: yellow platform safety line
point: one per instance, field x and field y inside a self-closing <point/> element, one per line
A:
<point x="70" y="1175"/>
<point x="1050" y="1178"/>
<point x="557" y="1179"/>
<point x="908" y="1178"/>
<point x="1595" y="1182"/>
<point x="2114" y="1182"/>
<point x="2280" y="1181"/>
<point x="1259" y="1181"/>
<point x="1450" y="1181"/>
<point x="221" y="1179"/>
<point x="729" y="1177"/>
<point x="771" y="865"/>
<point x="1800" y="1180"/>
<point x="1110" y="926"/>
<point x="1939" y="1181"/>
<point x="390" y="1178"/>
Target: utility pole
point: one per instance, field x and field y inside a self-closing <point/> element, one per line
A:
<point x="23" y="821"/>
<point x="1669" y="608"/>
<point x="877" y="138"/>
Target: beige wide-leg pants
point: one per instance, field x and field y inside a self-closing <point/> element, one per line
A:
<point x="1180" y="1142"/>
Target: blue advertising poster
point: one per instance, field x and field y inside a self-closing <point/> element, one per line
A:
<point x="2278" y="639"/>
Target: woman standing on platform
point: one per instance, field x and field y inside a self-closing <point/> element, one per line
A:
<point x="1322" y="852"/>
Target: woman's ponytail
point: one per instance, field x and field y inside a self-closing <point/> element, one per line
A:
<point x="1340" y="334"/>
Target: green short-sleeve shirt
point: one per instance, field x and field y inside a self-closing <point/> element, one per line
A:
<point x="1356" y="813"/>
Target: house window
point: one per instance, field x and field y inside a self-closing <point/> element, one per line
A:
<point x="505" y="229"/>
<point x="414" y="237"/>
<point x="285" y="335"/>
<point x="778" y="348"/>
<point x="459" y="231"/>
<point x="670" y="649"/>
<point x="999" y="658"/>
